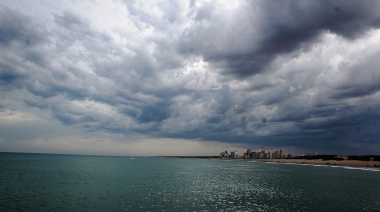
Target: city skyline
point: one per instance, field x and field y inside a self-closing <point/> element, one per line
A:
<point x="189" y="77"/>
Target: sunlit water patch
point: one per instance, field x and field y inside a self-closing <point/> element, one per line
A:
<point x="35" y="182"/>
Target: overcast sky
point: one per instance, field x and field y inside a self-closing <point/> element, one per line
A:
<point x="189" y="77"/>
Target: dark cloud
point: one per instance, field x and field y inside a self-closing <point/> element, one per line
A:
<point x="15" y="27"/>
<point x="276" y="74"/>
<point x="361" y="79"/>
<point x="9" y="76"/>
<point x="69" y="20"/>
<point x="155" y="113"/>
<point x="280" y="27"/>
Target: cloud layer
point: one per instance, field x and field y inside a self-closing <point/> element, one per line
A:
<point x="274" y="74"/>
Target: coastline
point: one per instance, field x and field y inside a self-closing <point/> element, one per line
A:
<point x="353" y="163"/>
<point x="348" y="163"/>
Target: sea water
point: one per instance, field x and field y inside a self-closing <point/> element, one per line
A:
<point x="48" y="182"/>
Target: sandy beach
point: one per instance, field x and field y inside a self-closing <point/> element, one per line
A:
<point x="355" y="163"/>
<point x="345" y="162"/>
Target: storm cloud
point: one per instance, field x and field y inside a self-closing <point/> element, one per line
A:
<point x="284" y="74"/>
<point x="257" y="33"/>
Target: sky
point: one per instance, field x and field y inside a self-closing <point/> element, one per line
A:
<point x="124" y="77"/>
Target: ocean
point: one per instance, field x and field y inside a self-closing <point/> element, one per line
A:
<point x="50" y="182"/>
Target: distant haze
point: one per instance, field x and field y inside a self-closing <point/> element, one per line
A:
<point x="189" y="77"/>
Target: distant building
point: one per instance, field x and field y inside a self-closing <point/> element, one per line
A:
<point x="253" y="155"/>
<point x="224" y="155"/>
<point x="234" y="154"/>
<point x="276" y="155"/>
<point x="261" y="155"/>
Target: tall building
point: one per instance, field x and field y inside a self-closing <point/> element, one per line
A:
<point x="224" y="155"/>
<point x="234" y="154"/>
<point x="276" y="155"/>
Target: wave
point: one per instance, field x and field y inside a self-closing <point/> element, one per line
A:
<point x="362" y="168"/>
<point x="332" y="166"/>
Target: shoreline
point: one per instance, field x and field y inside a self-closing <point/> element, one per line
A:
<point x="348" y="163"/>
<point x="352" y="163"/>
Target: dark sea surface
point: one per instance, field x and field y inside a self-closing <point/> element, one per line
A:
<point x="48" y="182"/>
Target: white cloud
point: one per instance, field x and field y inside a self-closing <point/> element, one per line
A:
<point x="12" y="117"/>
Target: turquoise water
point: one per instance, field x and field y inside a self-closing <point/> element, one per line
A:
<point x="43" y="182"/>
